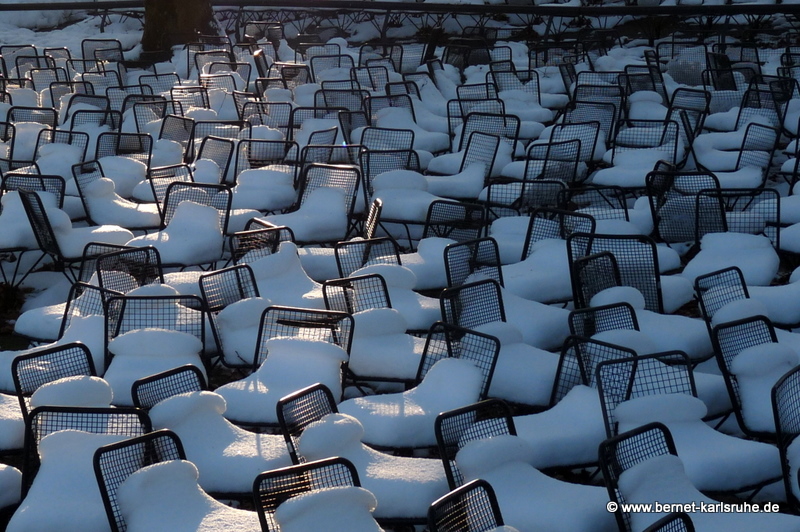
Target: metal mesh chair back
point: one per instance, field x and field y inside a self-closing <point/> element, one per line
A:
<point x="116" y="462"/>
<point x="751" y="211"/>
<point x="547" y="223"/>
<point x="354" y="294"/>
<point x="353" y="255"/>
<point x="220" y="151"/>
<point x="319" y="325"/>
<point x="30" y="371"/>
<point x="253" y="244"/>
<point x="40" y="223"/>
<point x="472" y="258"/>
<point x="83" y="300"/>
<point x="343" y="177"/>
<point x="101" y="79"/>
<point x="161" y="178"/>
<point x="217" y="196"/>
<point x="45" y="420"/>
<point x="716" y="289"/>
<point x="473" y="304"/>
<point x="672" y="522"/>
<point x="160" y="83"/>
<point x="603" y="112"/>
<point x="53" y="184"/>
<point x="137" y="146"/>
<point x="373" y="77"/>
<point x="672" y="197"/>
<point x="272" y="488"/>
<point x="455" y="428"/>
<point x="620" y="453"/>
<point x="578" y="363"/>
<point x="90" y="118"/>
<point x="190" y="96"/>
<point x="374" y="104"/>
<point x="41" y="115"/>
<point x="636" y="258"/>
<point x="456" y="220"/>
<point x="587" y="322"/>
<point x="526" y="81"/>
<point x="785" y="396"/>
<point x="505" y="127"/>
<point x="385" y="139"/>
<point x="375" y="162"/>
<point x="625" y="379"/>
<point x="299" y="409"/>
<point x="730" y="339"/>
<point x="116" y="95"/>
<point x="447" y="340"/>
<point x="321" y="63"/>
<point x="174" y="313"/>
<point x="124" y="270"/>
<point x="472" y="507"/>
<point x="150" y="391"/>
<point x="555" y="161"/>
<point x="229" y="285"/>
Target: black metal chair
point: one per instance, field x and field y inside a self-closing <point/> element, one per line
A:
<point x="32" y="370"/>
<point x="470" y="508"/>
<point x="116" y="462"/>
<point x="456" y="428"/>
<point x="298" y="410"/>
<point x="272" y="488"/>
<point x="149" y="391"/>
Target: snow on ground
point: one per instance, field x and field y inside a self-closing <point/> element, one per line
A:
<point x="386" y="343"/>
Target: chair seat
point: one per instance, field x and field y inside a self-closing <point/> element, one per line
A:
<point x="12" y="426"/>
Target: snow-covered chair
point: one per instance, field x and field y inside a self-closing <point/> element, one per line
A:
<point x="482" y="158"/>
<point x="661" y="388"/>
<point x="59" y="240"/>
<point x="716" y="289"/>
<point x="295" y="348"/>
<point x="751" y="361"/>
<point x="298" y="410"/>
<point x="465" y="259"/>
<point x="256" y="241"/>
<point x="484" y="303"/>
<point x="124" y="270"/>
<point x="46" y="420"/>
<point x="504" y="461"/>
<point x="639" y="263"/>
<point x="327" y="201"/>
<point x="472" y="506"/>
<point x="355" y="254"/>
<point x="403" y="498"/>
<point x="151" y="390"/>
<point x="456" y="369"/>
<point x="739" y="159"/>
<point x="146" y="483"/>
<point x="32" y="370"/>
<point x="227" y="456"/>
<point x="272" y="489"/>
<point x="787" y="427"/>
<point x="537" y="268"/>
<point x="642" y="466"/>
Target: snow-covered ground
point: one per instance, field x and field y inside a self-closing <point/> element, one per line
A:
<point x="522" y="347"/>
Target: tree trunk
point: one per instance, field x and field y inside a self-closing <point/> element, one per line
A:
<point x="171" y="22"/>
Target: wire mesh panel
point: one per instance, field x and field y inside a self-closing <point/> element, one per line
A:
<point x="672" y="522"/>
<point x="381" y="138"/>
<point x="117" y="95"/>
<point x="730" y="339"/>
<point x="591" y="275"/>
<point x="526" y="81"/>
<point x="353" y="255"/>
<point x="479" y="348"/>
<point x="124" y="270"/>
<point x="372" y="77"/>
<point x="354" y="294"/>
<point x="83" y="300"/>
<point x="309" y="324"/>
<point x="716" y="289"/>
<point x="604" y="113"/>
<point x="625" y="379"/>
<point x="160" y="83"/>
<point x="456" y="428"/>
<point x="253" y="244"/>
<point x="32" y="370"/>
<point x="578" y="363"/>
<point x="53" y="184"/>
<point x="229" y="285"/>
<point x="41" y="115"/>
<point x="785" y="408"/>
<point x="137" y="146"/>
<point x="622" y="452"/>
<point x="116" y="462"/>
<point x="752" y="211"/>
<point x="174" y="313"/>
<point x="190" y="96"/>
<point x="272" y="488"/>
<point x="547" y="223"/>
<point x="320" y="63"/>
<point x="469" y="508"/>
<point x="298" y="410"/>
<point x="506" y="127"/>
<point x="150" y="391"/>
<point x="587" y="322"/>
<point x="482" y="149"/>
<point x="217" y="196"/>
<point x="90" y="118"/>
<point x="672" y="197"/>
<point x="45" y="420"/>
<point x="273" y="114"/>
<point x="473" y="304"/>
<point x="375" y="162"/>
<point x="636" y="258"/>
<point x="218" y="150"/>
<point x="40" y="223"/>
<point x="455" y="220"/>
<point x="162" y="177"/>
<point x="257" y="153"/>
<point x="343" y="177"/>
<point x="475" y="257"/>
